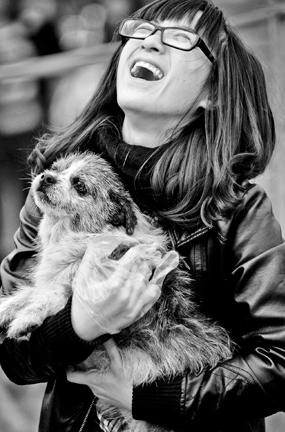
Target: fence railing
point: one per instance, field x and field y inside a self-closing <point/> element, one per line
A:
<point x="57" y="64"/>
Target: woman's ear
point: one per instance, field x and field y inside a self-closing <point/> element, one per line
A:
<point x="206" y="103"/>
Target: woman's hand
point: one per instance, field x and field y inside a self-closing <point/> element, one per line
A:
<point x="113" y="387"/>
<point x="115" y="303"/>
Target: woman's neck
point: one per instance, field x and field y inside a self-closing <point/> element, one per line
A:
<point x="144" y="132"/>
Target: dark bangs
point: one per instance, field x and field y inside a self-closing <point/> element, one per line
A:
<point x="210" y="25"/>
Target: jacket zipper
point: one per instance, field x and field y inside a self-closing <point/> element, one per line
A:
<point x="87" y="414"/>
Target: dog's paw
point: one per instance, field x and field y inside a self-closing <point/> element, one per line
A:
<point x="9" y="308"/>
<point x="25" y="322"/>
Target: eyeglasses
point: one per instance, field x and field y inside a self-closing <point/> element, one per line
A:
<point x="175" y="37"/>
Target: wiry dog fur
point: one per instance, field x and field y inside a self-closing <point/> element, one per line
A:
<point x="81" y="196"/>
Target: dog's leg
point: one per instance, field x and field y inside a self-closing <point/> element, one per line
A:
<point x="42" y="305"/>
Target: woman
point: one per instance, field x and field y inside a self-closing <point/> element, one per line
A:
<point x="182" y="114"/>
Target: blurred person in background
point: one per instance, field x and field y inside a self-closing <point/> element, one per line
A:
<point x="39" y="18"/>
<point x="183" y="116"/>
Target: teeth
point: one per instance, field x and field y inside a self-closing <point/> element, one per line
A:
<point x="158" y="74"/>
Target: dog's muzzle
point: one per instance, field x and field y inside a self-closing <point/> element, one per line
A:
<point x="46" y="180"/>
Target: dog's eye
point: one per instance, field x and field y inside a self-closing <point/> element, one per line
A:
<point x="79" y="186"/>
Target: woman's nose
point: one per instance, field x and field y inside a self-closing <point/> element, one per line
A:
<point x="153" y="42"/>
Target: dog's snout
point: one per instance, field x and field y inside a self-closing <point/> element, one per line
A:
<point x="47" y="179"/>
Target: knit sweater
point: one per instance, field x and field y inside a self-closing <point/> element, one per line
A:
<point x="133" y="165"/>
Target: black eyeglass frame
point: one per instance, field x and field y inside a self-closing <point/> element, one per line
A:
<point x="198" y="44"/>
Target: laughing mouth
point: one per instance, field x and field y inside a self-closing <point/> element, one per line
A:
<point x="146" y="71"/>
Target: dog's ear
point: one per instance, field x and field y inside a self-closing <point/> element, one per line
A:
<point x="124" y="214"/>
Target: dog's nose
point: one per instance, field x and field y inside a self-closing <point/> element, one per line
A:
<point x="47" y="179"/>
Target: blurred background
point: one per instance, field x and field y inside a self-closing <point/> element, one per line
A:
<point x="52" y="55"/>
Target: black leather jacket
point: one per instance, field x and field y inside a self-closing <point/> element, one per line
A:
<point x="239" y="267"/>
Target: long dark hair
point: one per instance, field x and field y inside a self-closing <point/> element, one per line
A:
<point x="200" y="171"/>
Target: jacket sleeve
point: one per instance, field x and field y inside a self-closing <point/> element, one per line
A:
<point x="52" y="346"/>
<point x="251" y="385"/>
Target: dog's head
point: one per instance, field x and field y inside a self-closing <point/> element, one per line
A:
<point x="84" y="188"/>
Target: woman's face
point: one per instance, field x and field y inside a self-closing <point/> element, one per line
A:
<point x="179" y="76"/>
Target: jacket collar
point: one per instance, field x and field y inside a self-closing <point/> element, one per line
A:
<point x="180" y="237"/>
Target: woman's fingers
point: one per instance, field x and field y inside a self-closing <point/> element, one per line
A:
<point x="113" y="387"/>
<point x="77" y="377"/>
<point x="139" y="293"/>
<point x="113" y="352"/>
<point x="133" y="289"/>
<point x="151" y="295"/>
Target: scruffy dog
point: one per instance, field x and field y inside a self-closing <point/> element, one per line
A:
<point x="80" y="197"/>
